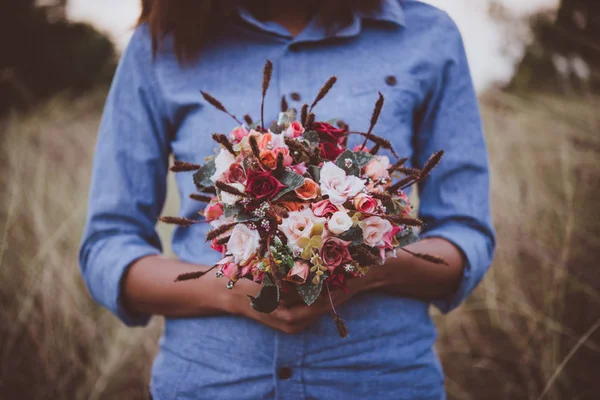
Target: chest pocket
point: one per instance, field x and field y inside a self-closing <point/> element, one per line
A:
<point x="401" y="99"/>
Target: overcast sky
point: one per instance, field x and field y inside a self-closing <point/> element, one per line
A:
<point x="483" y="38"/>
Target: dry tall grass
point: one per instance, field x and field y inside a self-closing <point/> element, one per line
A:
<point x="521" y="336"/>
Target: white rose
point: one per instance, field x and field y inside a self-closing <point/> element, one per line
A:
<point x="243" y="243"/>
<point x="339" y="223"/>
<point x="231" y="199"/>
<point x="299" y="224"/>
<point x="222" y="163"/>
<point x="337" y="185"/>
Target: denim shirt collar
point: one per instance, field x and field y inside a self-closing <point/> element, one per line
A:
<point x="389" y="11"/>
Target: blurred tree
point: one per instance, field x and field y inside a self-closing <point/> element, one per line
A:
<point x="565" y="52"/>
<point x="43" y="53"/>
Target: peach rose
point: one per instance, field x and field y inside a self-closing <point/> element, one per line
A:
<point x="325" y="208"/>
<point x="378" y="168"/>
<point x="268" y="158"/>
<point x="375" y="230"/>
<point x="298" y="273"/>
<point x="308" y="191"/>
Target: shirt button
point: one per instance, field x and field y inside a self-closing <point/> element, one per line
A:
<point x="284" y="373"/>
<point x="391" y="80"/>
<point x="295" y="96"/>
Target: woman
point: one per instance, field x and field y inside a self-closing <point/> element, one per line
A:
<point x="214" y="345"/>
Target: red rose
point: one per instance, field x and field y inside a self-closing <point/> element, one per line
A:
<point x="335" y="252"/>
<point x="262" y="185"/>
<point x="329" y="133"/>
<point x="330" y="151"/>
<point x="337" y="280"/>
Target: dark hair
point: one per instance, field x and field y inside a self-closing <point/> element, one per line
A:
<point x="191" y="21"/>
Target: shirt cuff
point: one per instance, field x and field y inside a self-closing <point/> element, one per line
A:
<point x="474" y="246"/>
<point x="105" y="268"/>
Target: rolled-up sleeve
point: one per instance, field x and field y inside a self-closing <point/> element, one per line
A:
<point x="128" y="184"/>
<point x="455" y="199"/>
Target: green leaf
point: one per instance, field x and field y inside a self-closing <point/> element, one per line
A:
<point x="202" y="176"/>
<point x="407" y="236"/>
<point x="275" y="128"/>
<point x="309" y="291"/>
<point x="292" y="180"/>
<point x="354" y="235"/>
<point x="354" y="169"/>
<point x="286" y="118"/>
<point x="231" y="211"/>
<point x="363" y="158"/>
<point x="315" y="172"/>
<point x="267" y="300"/>
<point x="311" y="136"/>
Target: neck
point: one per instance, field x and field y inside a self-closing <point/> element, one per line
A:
<point x="292" y="15"/>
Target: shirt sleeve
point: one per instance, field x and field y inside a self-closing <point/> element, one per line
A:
<point x="128" y="185"/>
<point x="455" y="199"/>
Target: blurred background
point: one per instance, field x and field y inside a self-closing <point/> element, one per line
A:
<point x="530" y="331"/>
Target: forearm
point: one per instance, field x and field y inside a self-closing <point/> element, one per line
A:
<point x="410" y="276"/>
<point x="149" y="288"/>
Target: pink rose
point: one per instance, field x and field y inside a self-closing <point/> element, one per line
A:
<point x="365" y="203"/>
<point x="294" y="130"/>
<point x="335" y="253"/>
<point x="374" y="230"/>
<point x="213" y="210"/>
<point x="298" y="273"/>
<point x="221" y="248"/>
<point x="378" y="168"/>
<point x="238" y="134"/>
<point x="324" y="208"/>
<point x="235" y="174"/>
<point x="229" y="268"/>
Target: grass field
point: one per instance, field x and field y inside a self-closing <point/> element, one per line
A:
<point x="530" y="331"/>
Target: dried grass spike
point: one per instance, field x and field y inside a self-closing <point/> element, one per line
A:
<point x="201" y="198"/>
<point x="193" y="275"/>
<point x="177" y="221"/>
<point x="267" y="73"/>
<point x="181" y="166"/>
<point x="215" y="233"/>
<point x="433" y="161"/>
<point x="400" y="184"/>
<point x="398" y="164"/>
<point x="254" y="146"/>
<point x="284" y="104"/>
<point x="310" y="120"/>
<point x="304" y="114"/>
<point x="427" y="257"/>
<point x="209" y="190"/>
<point x="223" y="141"/>
<point x="222" y="186"/>
<point x="376" y="112"/>
<point x="324" y="90"/>
<point x="248" y="119"/>
<point x="340" y="325"/>
<point x="218" y="105"/>
<point x="413" y="172"/>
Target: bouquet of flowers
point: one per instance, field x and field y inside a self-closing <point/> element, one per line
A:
<point x="293" y="209"/>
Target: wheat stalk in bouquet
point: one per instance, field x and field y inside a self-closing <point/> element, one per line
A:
<point x="292" y="208"/>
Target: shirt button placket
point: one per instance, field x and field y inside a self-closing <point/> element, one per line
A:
<point x="289" y="349"/>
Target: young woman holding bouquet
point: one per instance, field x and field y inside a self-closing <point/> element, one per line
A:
<point x="215" y="345"/>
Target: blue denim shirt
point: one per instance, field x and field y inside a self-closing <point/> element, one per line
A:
<point x="409" y="51"/>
